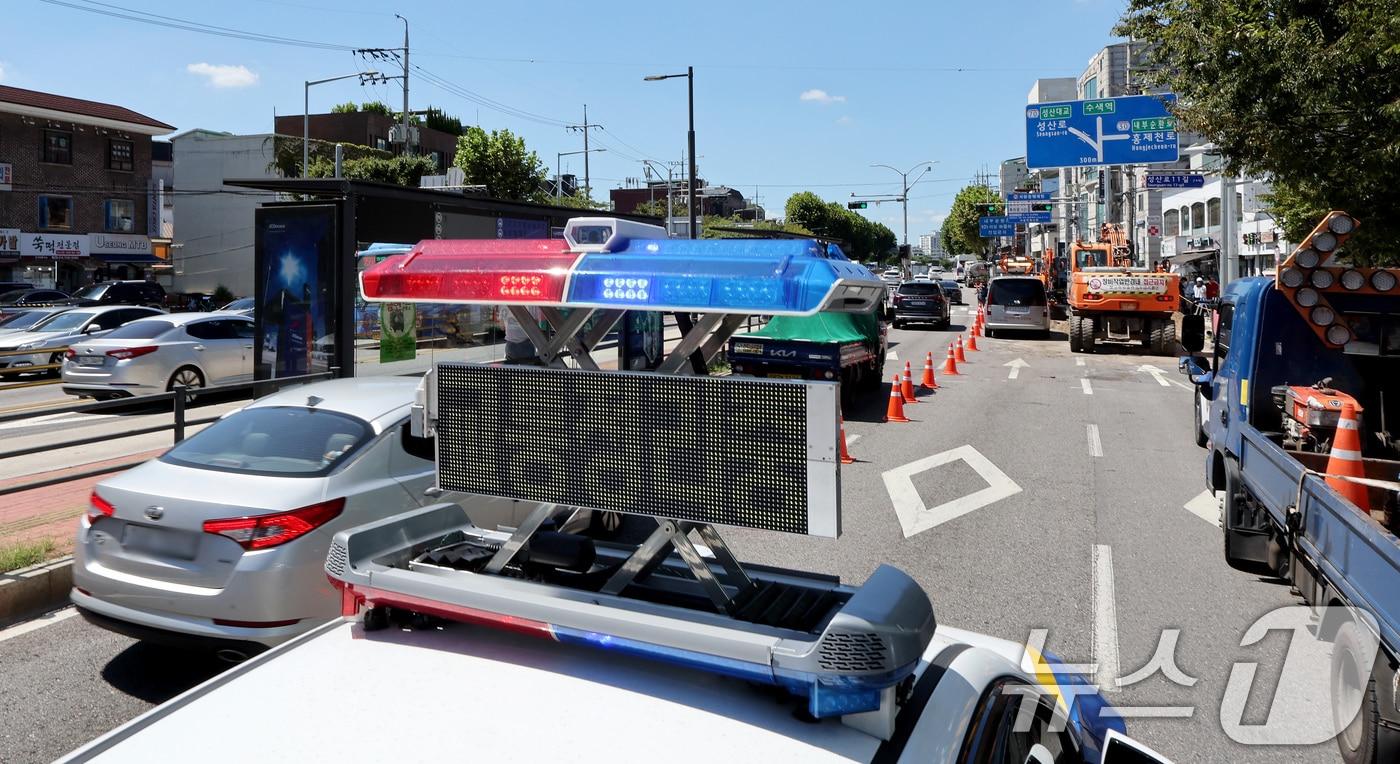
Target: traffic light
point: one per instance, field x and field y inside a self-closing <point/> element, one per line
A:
<point x="857" y="205"/>
<point x="1042" y="207"/>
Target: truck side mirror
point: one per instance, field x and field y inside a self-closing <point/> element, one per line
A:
<point x="1193" y="333"/>
<point x="1121" y="749"/>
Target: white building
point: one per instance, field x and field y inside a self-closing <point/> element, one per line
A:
<point x="1191" y="229"/>
<point x="214" y="223"/>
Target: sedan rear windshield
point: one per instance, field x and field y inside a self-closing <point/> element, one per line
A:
<point x="139" y="330"/>
<point x="282" y="441"/>
<point x="925" y="288"/>
<point x="1016" y="292"/>
<point x="93" y="292"/>
<point x="23" y="320"/>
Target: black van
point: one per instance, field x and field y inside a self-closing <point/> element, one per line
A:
<point x="147" y="293"/>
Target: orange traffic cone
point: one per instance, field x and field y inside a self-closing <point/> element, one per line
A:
<point x="906" y="385"/>
<point x="1345" y="460"/>
<point x="972" y="340"/>
<point x="895" y="412"/>
<point x="959" y="354"/>
<point x="950" y="366"/>
<point x="846" y="457"/>
<point x="929" y="383"/>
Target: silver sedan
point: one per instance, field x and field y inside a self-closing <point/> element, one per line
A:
<point x="156" y="354"/>
<point x="221" y="541"/>
<point x="49" y="337"/>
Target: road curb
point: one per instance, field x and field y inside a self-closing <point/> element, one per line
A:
<point x="30" y="591"/>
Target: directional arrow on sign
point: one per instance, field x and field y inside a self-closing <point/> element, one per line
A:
<point x="1156" y="374"/>
<point x="1016" y="367"/>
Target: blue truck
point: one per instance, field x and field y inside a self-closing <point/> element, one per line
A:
<point x="1268" y="399"/>
<point x="845" y="347"/>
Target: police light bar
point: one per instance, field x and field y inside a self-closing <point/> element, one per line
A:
<point x="600" y="263"/>
<point x="474" y="271"/>
<point x="768" y="276"/>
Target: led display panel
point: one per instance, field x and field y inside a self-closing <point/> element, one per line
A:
<point x="721" y="450"/>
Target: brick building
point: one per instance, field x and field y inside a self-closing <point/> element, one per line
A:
<point x="76" y="192"/>
<point x="367" y="128"/>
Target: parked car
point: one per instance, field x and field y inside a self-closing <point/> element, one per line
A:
<point x="147" y="293"/>
<point x="9" y="286"/>
<point x="51" y="336"/>
<point x="28" y="318"/>
<point x="155" y="354"/>
<point x="952" y="290"/>
<point x="243" y="306"/>
<point x="1016" y="302"/>
<point x="16" y="300"/>
<point x="920" y="302"/>
<point x="221" y="541"/>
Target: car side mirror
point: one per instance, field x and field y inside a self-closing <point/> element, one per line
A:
<point x="92" y="328"/>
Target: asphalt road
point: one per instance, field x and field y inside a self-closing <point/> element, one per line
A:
<point x="1086" y="470"/>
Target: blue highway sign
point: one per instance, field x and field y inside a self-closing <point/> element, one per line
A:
<point x="1021" y="207"/>
<point x="1039" y="196"/>
<point x="1175" y="180"/>
<point x="1101" y="131"/>
<point x="996" y="226"/>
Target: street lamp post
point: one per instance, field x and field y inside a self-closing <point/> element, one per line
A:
<point x="306" y="112"/>
<point x="690" y="137"/>
<point x="904" y="189"/>
<point x="559" y="168"/>
<point x="648" y="163"/>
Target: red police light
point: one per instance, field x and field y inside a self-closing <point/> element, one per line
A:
<point x="484" y="271"/>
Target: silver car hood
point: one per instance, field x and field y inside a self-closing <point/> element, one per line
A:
<point x="22" y="337"/>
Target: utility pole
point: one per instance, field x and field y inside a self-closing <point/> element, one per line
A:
<point x="584" y="128"/>
<point x="400" y="55"/>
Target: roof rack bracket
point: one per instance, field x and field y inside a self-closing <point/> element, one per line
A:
<point x="537" y="517"/>
<point x="675" y="534"/>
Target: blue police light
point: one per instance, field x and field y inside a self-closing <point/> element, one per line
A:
<point x="768" y="276"/>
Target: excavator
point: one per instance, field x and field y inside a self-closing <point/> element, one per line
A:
<point x="1111" y="299"/>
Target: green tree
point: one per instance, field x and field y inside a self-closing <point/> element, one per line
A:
<point x="349" y="107"/>
<point x="657" y="208"/>
<point x="961" y="234"/>
<point x="867" y="240"/>
<point x="500" y="161"/>
<point x="1304" y="92"/>
<point x="576" y="200"/>
<point x="438" y="119"/>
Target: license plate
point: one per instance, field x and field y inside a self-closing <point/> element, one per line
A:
<point x="91" y="360"/>
<point x="1125" y="305"/>
<point x="748" y="348"/>
<point x="918" y="303"/>
<point x="160" y="542"/>
<point x="785" y="376"/>
<point x="1017" y="311"/>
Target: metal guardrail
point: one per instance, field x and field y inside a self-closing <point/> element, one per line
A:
<point x="179" y="398"/>
<point x="17" y="370"/>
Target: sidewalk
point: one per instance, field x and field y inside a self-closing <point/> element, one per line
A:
<point x="52" y="512"/>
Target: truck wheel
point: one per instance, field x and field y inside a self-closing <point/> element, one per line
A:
<point x="1153" y="331"/>
<point x="1201" y="438"/>
<point x="1168" y="338"/>
<point x="1353" y="683"/>
<point x="1088" y="334"/>
<point x="1076" y="341"/>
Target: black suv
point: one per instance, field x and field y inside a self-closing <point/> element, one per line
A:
<point x="921" y="301"/>
<point x="147" y="293"/>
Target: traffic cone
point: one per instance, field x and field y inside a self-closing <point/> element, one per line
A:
<point x="950" y="366"/>
<point x="972" y="341"/>
<point x="846" y="457"/>
<point x="895" y="412"/>
<point x="906" y="385"/>
<point x="959" y="354"/>
<point x="929" y="383"/>
<point x="1345" y="460"/>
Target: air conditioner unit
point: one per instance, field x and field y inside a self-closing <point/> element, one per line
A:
<point x="396" y="134"/>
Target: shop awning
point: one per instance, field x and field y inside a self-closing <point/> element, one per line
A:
<point x="132" y="258"/>
<point x="1190" y="256"/>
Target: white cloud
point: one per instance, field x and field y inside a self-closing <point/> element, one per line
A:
<point x="225" y="75"/>
<point x="821" y="96"/>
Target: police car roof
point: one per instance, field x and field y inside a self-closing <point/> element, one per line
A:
<point x="465" y="692"/>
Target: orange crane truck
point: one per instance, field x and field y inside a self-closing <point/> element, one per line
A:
<point x="1110" y="299"/>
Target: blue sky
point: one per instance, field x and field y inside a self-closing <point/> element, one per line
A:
<point x="881" y="79"/>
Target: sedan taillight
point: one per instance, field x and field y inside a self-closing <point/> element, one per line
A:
<point x="128" y="353"/>
<point x="69" y="354"/>
<point x="98" y="507"/>
<point x="265" y="531"/>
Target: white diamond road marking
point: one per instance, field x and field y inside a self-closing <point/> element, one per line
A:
<point x="1206" y="505"/>
<point x="916" y="517"/>
<point x="1079" y="362"/>
<point x="892" y="356"/>
<point x="1085" y="386"/>
<point x="851" y="440"/>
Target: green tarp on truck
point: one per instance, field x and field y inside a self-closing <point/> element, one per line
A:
<point x="823" y="327"/>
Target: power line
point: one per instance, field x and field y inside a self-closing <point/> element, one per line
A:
<point x="481" y="100"/>
<point x="744" y="66"/>
<point x="171" y="22"/>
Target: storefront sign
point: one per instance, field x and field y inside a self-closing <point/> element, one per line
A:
<point x="9" y="241"/>
<point x="53" y="245"/>
<point x="119" y="244"/>
<point x="7" y="175"/>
